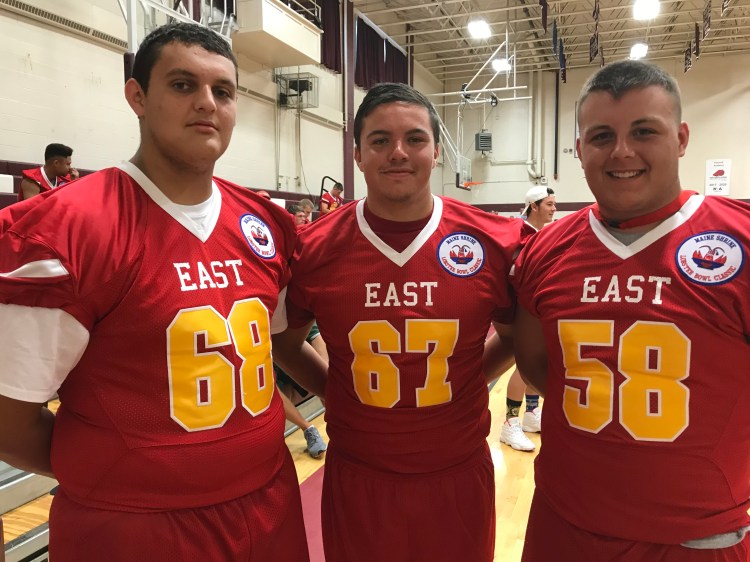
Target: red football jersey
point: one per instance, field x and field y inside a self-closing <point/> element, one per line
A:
<point x="37" y="176"/>
<point x="405" y="331"/>
<point x="173" y="403"/>
<point x="333" y="201"/>
<point x="646" y="431"/>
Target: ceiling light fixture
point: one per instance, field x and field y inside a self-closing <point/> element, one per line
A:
<point x="645" y="9"/>
<point x="501" y="65"/>
<point x="638" y="51"/>
<point x="479" y="29"/>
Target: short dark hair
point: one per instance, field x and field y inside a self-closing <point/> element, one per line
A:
<point x="57" y="150"/>
<point x="390" y="92"/>
<point x="185" y="33"/>
<point x="620" y="77"/>
<point x="338" y="185"/>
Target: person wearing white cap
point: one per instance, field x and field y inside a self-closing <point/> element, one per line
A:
<point x="539" y="208"/>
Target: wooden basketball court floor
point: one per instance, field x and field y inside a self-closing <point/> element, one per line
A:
<point x="514" y="483"/>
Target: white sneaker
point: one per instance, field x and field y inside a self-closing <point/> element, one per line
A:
<point x="512" y="434"/>
<point x="532" y="421"/>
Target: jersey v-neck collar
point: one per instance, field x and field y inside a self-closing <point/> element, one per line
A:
<point x="625" y="251"/>
<point x="49" y="183"/>
<point x="201" y="230"/>
<point x="400" y="258"/>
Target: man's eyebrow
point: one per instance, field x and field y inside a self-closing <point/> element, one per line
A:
<point x="181" y="72"/>
<point x="417" y="130"/>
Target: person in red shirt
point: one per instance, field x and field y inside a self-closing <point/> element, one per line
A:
<point x="539" y="210"/>
<point x="145" y="296"/>
<point x="57" y="171"/>
<point x="634" y="321"/>
<point x="419" y="279"/>
<point x="332" y="200"/>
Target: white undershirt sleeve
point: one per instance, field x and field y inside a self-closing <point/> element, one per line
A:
<point x="279" y="322"/>
<point x="40" y="346"/>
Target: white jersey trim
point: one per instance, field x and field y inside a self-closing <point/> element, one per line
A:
<point x="400" y="258"/>
<point x="627" y="251"/>
<point x="49" y="183"/>
<point x="201" y="229"/>
<point x="40" y="347"/>
<point x="38" y="269"/>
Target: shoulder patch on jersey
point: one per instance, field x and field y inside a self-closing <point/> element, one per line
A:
<point x="258" y="236"/>
<point x="461" y="254"/>
<point x="712" y="257"/>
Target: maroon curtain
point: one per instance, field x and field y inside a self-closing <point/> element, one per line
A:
<point x="330" y="41"/>
<point x="369" y="67"/>
<point x="396" y="65"/>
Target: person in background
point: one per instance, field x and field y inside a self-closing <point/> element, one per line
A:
<point x="332" y="200"/>
<point x="145" y="296"/>
<point x="56" y="171"/>
<point x="404" y="286"/>
<point x="316" y="446"/>
<point x="539" y="209"/>
<point x="634" y="322"/>
<point x="293" y="394"/>
<point x="307" y="206"/>
<point x="300" y="217"/>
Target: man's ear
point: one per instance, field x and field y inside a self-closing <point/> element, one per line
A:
<point x="135" y="97"/>
<point x="358" y="157"/>
<point x="683" y="135"/>
<point x="435" y="155"/>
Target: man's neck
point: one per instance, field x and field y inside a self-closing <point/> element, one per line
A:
<point x="536" y="222"/>
<point x="184" y="186"/>
<point x="51" y="175"/>
<point x="406" y="211"/>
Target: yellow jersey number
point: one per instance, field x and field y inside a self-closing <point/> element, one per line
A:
<point x="202" y="384"/>
<point x="377" y="380"/>
<point x="653" y="357"/>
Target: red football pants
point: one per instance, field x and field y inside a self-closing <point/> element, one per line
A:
<point x="550" y="537"/>
<point x="262" y="526"/>
<point x="371" y="516"/>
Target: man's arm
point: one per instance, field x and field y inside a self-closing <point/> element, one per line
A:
<point x="300" y="361"/>
<point x="29" y="188"/>
<point x="26" y="435"/>
<point x="531" y="351"/>
<point x="324" y="207"/>
<point x="498" y="352"/>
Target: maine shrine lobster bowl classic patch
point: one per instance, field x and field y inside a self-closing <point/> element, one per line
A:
<point x="710" y="258"/>
<point x="461" y="254"/>
<point x="258" y="236"/>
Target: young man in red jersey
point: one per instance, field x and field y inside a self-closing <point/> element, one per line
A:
<point x="149" y="292"/>
<point x="539" y="210"/>
<point x="419" y="280"/>
<point x="332" y="200"/>
<point x="644" y="307"/>
<point x="55" y="172"/>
